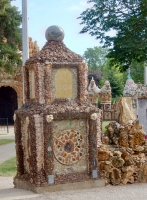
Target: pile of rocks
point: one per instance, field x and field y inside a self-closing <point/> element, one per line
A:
<point x="123" y="155"/>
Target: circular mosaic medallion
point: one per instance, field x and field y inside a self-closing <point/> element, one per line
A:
<point x="68" y="147"/>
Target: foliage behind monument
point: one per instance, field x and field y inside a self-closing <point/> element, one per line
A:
<point x="128" y="19"/>
<point x="10" y="36"/>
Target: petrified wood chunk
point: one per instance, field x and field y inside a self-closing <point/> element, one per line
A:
<point x="117" y="161"/>
<point x="128" y="174"/>
<point x="103" y="155"/>
<point x="143" y="173"/>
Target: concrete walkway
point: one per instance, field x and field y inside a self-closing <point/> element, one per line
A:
<point x="5" y="135"/>
<point x="7" y="151"/>
<point x="8" y="192"/>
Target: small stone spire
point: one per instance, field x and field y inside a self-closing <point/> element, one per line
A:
<point x="129" y="73"/>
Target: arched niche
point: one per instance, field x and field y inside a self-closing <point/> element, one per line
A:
<point x="8" y="103"/>
<point x="17" y="86"/>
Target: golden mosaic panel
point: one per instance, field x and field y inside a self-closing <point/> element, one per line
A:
<point x="64" y="83"/>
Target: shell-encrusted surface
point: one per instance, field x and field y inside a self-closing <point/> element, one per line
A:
<point x="54" y="52"/>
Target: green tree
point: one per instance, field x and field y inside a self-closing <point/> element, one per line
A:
<point x="129" y="19"/>
<point x="101" y="70"/>
<point x="116" y="79"/>
<point x="116" y="83"/>
<point x="10" y="35"/>
<point x="3" y="5"/>
<point x="96" y="58"/>
<point x="137" y="72"/>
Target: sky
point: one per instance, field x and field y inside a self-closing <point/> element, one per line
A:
<point x="63" y="13"/>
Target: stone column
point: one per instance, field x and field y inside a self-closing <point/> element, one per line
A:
<point x="92" y="146"/>
<point x="19" y="148"/>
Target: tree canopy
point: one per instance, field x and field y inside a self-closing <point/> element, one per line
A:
<point x="137" y="72"/>
<point x="96" y="57"/>
<point x="128" y="18"/>
<point x="3" y="5"/>
<point x="116" y="78"/>
<point x="101" y="70"/>
<point x="10" y="35"/>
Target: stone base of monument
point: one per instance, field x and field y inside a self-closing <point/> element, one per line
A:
<point x="60" y="187"/>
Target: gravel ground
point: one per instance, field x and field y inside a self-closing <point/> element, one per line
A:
<point x="127" y="192"/>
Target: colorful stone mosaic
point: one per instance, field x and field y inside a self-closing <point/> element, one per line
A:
<point x="68" y="147"/>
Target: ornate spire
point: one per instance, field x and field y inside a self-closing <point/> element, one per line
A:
<point x="129" y="74"/>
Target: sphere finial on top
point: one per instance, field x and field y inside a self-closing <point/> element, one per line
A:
<point x="54" y="33"/>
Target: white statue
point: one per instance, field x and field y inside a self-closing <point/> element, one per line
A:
<point x="92" y="88"/>
<point x="106" y="87"/>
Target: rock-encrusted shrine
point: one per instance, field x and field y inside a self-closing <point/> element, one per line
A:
<point x="57" y="130"/>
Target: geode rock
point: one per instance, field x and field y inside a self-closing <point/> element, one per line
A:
<point x="127" y="158"/>
<point x="127" y="174"/>
<point x="127" y="149"/>
<point x="103" y="155"/>
<point x="106" y="166"/>
<point x="138" y="148"/>
<point x="143" y="173"/>
<point x="117" y="161"/>
<point x="105" y="140"/>
<point x="126" y="135"/>
<point x="123" y="140"/>
<point x="115" y="176"/>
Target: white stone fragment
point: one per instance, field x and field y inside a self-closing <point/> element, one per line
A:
<point x="27" y="120"/>
<point x="14" y="117"/>
<point x="94" y="116"/>
<point x="49" y="118"/>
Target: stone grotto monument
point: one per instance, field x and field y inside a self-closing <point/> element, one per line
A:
<point x="57" y="131"/>
<point x="138" y="94"/>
